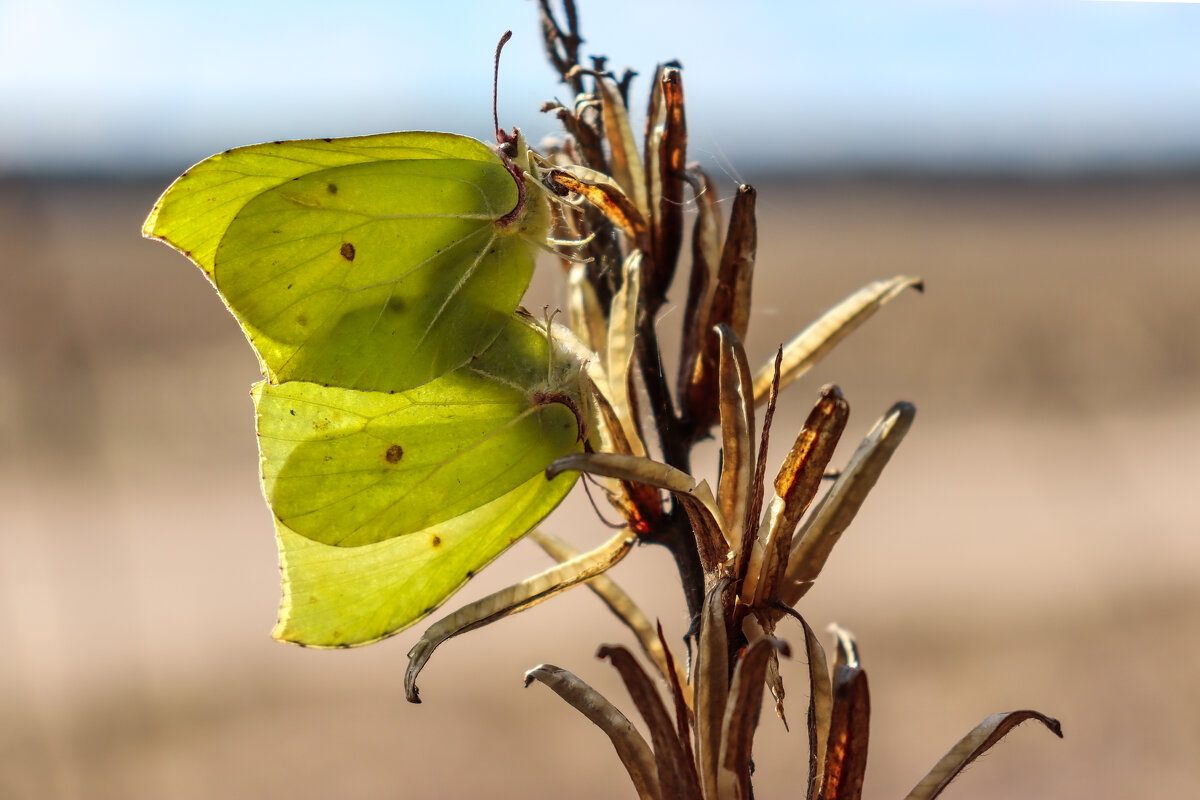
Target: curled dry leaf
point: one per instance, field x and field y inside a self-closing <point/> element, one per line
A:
<point x="836" y="510"/>
<point x="706" y="257"/>
<point x="683" y="711"/>
<point x="609" y="201"/>
<point x="636" y="468"/>
<point x="635" y="754"/>
<point x="512" y="600"/>
<point x="849" y="729"/>
<point x="697" y="498"/>
<point x="656" y="128"/>
<point x="625" y="609"/>
<point x="667" y="222"/>
<point x="729" y="304"/>
<point x="820" y="707"/>
<point x="587" y="174"/>
<point x="676" y="772"/>
<point x="712" y="686"/>
<point x="972" y="746"/>
<point x="737" y="436"/>
<point x="849" y="722"/>
<point x="795" y="487"/>
<point x="741" y="718"/>
<point x="757" y="486"/>
<point x="812" y="343"/>
<point x="625" y="160"/>
<point x="620" y="348"/>
<point x="735" y="275"/>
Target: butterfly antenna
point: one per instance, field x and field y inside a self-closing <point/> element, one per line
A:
<point x="507" y="143"/>
<point x="501" y="137"/>
<point x="587" y="479"/>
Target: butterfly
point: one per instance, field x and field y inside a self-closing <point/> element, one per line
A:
<point x="407" y="412"/>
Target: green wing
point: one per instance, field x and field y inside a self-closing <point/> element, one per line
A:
<point x="350" y="468"/>
<point x="340" y="597"/>
<point x="407" y="415"/>
<point x="385" y="504"/>
<point x="369" y="263"/>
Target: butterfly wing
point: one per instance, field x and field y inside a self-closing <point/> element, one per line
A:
<point x="350" y="468"/>
<point x="343" y="597"/>
<point x="372" y="263"/>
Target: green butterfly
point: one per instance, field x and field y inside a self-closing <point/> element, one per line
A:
<point x="407" y="413"/>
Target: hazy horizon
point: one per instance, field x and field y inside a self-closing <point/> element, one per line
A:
<point x="1055" y="87"/>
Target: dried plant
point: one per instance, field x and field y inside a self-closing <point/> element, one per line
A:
<point x="742" y="568"/>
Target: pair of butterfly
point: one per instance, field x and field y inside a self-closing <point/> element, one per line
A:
<point x="407" y="414"/>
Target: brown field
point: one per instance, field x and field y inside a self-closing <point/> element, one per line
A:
<point x="1035" y="542"/>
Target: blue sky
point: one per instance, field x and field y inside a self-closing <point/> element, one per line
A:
<point x="105" y="86"/>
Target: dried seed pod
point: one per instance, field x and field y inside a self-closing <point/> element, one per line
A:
<point x="972" y="746"/>
<point x="737" y="434"/>
<point x="812" y="343"/>
<point x="706" y="258"/>
<point x="795" y="487"/>
<point x="814" y="541"/>
<point x="676" y="771"/>
<point x="667" y="220"/>
<point x="632" y="749"/>
<point x="512" y="600"/>
<point x="624" y="158"/>
<point x="730" y="304"/>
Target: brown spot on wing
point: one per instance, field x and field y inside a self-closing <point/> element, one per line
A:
<point x="347" y="251"/>
<point x="394" y="454"/>
<point x="436" y="541"/>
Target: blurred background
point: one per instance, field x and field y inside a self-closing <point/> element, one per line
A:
<point x="1033" y="544"/>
